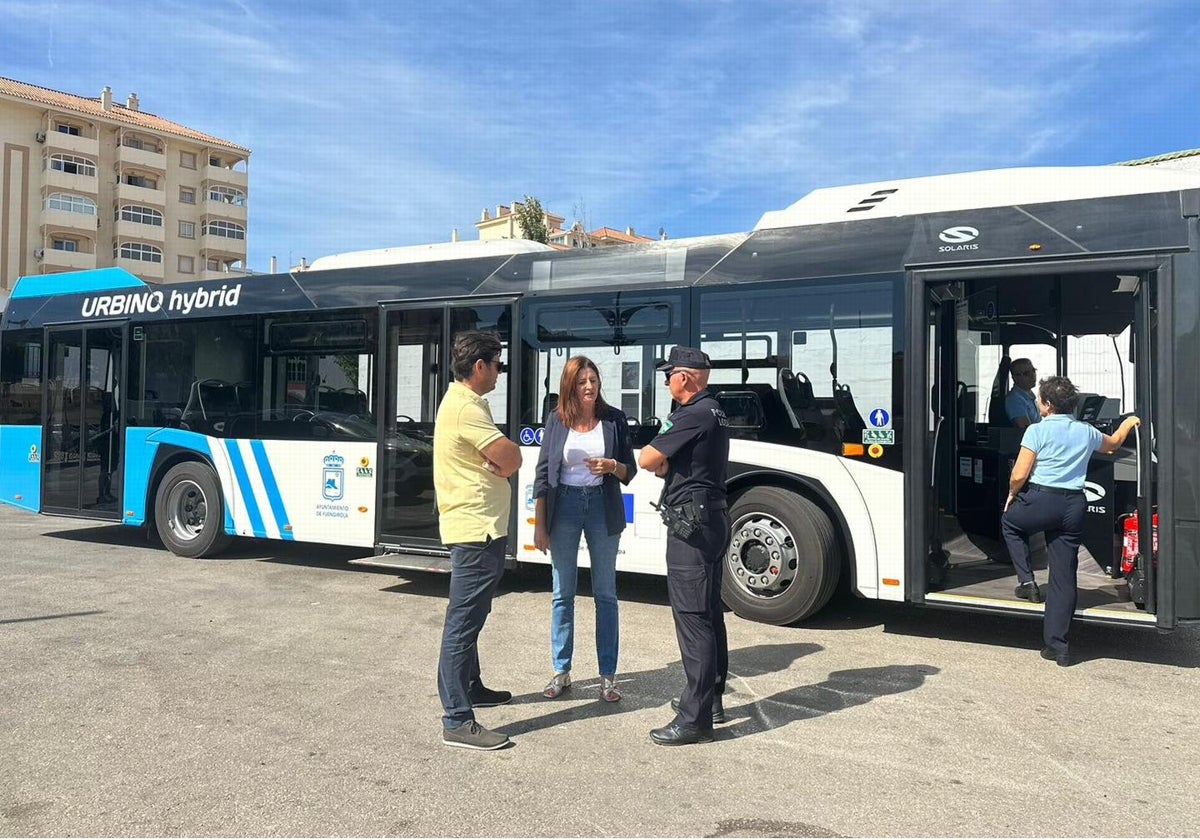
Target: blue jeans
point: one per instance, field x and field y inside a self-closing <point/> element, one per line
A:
<point x="580" y="511"/>
<point x="475" y="571"/>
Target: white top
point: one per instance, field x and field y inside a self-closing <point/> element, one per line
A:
<point x="579" y="447"/>
<point x="973" y="190"/>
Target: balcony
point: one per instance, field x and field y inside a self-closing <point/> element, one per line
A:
<point x="221" y="175"/>
<point x="143" y="158"/>
<point x="58" y="181"/>
<point x="214" y="208"/>
<point x="137" y="230"/>
<point x="129" y="194"/>
<point x="67" y="221"/>
<point x="75" y="144"/>
<point x="54" y="261"/>
<point x="146" y="270"/>
<point x="226" y="274"/>
<point x="217" y="246"/>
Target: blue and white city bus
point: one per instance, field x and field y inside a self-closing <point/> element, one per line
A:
<point x="861" y="340"/>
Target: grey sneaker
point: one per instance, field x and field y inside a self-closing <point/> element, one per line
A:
<point x="474" y="737"/>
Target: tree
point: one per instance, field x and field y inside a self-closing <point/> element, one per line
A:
<point x="532" y="220"/>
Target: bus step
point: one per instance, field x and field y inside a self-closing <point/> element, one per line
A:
<point x="410" y="562"/>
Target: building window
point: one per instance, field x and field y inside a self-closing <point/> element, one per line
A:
<point x="141" y="215"/>
<point x="227" y="195"/>
<point x="213" y="160"/>
<point x="139" y="251"/>
<point x="67" y="128"/>
<point x="187" y="265"/>
<point x="187" y="160"/>
<point x="187" y="195"/>
<point x="64" y="245"/>
<point x="142" y="181"/>
<point x="229" y="230"/>
<point x="134" y="142"/>
<point x="71" y="203"/>
<point x="72" y="165"/>
<point x="187" y="230"/>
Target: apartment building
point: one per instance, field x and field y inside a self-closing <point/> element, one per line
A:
<point x="92" y="183"/>
<point x="504" y="225"/>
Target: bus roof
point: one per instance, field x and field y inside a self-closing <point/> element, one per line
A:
<point x="434" y="252"/>
<point x="973" y="191"/>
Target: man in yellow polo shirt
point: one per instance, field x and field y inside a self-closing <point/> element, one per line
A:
<point x="472" y="460"/>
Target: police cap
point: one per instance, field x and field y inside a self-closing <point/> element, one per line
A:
<point x="686" y="357"/>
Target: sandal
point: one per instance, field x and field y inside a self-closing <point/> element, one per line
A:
<point x="557" y="685"/>
<point x="608" y="689"/>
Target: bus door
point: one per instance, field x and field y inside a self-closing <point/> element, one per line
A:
<point x="1091" y="321"/>
<point x="415" y="373"/>
<point x="81" y="421"/>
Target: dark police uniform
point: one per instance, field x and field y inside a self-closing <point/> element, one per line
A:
<point x="695" y="440"/>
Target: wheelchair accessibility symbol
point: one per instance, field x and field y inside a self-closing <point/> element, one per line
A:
<point x="527" y="436"/>
<point x="880" y="418"/>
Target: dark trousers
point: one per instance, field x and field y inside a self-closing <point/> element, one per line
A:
<point x="1061" y="518"/>
<point x="694" y="586"/>
<point x="475" y="572"/>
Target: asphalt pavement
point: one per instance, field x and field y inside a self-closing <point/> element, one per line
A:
<point x="278" y="691"/>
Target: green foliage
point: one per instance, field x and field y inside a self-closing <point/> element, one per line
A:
<point x="532" y="220"/>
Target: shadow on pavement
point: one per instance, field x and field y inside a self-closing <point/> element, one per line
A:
<point x="655" y="688"/>
<point x="648" y="689"/>
<point x="845" y="612"/>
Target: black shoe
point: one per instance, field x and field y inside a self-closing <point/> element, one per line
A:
<point x="676" y="734"/>
<point x="1029" y="592"/>
<point x="1063" y="659"/>
<point x="482" y="697"/>
<point x="718" y="709"/>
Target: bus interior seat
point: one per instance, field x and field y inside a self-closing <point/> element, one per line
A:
<point x="757" y="411"/>
<point x="742" y="404"/>
<point x="210" y="401"/>
<point x="852" y="421"/>
<point x="549" y="403"/>
<point x="997" y="415"/>
<point x="800" y="403"/>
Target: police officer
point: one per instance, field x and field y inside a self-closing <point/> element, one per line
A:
<point x="692" y="452"/>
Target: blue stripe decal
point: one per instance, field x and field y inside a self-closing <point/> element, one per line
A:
<point x="21" y="477"/>
<point x="627" y="498"/>
<point x="268" y="478"/>
<point x="94" y="280"/>
<point x="243" y="480"/>
<point x="141" y="447"/>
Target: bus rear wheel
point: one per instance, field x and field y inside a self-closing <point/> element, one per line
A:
<point x="783" y="561"/>
<point x="189" y="512"/>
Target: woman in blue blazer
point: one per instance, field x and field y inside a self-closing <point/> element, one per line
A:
<point x="586" y="455"/>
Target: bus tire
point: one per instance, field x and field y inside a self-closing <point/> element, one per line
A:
<point x="189" y="511"/>
<point x="783" y="560"/>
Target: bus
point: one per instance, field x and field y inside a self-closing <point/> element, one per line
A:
<point x="861" y="340"/>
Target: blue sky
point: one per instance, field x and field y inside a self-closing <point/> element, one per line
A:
<point x="383" y="124"/>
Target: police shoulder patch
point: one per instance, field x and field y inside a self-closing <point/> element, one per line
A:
<point x="666" y="426"/>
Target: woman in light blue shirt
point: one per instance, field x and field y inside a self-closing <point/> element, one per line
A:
<point x="1046" y="494"/>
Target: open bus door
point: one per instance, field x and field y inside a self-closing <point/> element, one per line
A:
<point x="1094" y="321"/>
<point x="414" y="373"/>
<point x="82" y="425"/>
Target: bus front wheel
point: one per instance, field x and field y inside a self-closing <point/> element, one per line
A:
<point x="783" y="561"/>
<point x="189" y="512"/>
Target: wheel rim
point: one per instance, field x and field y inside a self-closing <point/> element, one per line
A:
<point x="762" y="557"/>
<point x="187" y="510"/>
